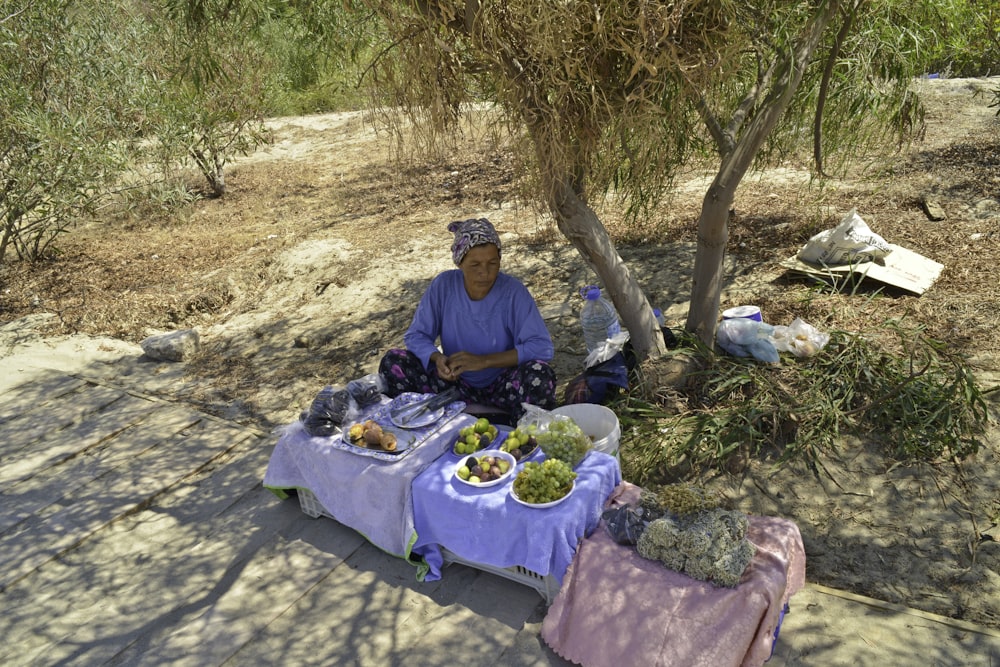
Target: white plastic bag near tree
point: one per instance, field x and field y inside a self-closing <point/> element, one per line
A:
<point x="607" y="349"/>
<point x="800" y="338"/>
<point x="850" y="242"/>
<point x="741" y="337"/>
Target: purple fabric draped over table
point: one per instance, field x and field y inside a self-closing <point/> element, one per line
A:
<point x="617" y="608"/>
<point x="371" y="496"/>
<point x="486" y="525"/>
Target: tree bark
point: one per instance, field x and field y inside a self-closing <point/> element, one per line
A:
<point x="581" y="226"/>
<point x="709" y="273"/>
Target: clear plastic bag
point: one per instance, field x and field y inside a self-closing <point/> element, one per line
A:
<point x="800" y="338"/>
<point x="747" y="338"/>
<point x="558" y="436"/>
<point x="367" y="390"/>
<point x="535" y="419"/>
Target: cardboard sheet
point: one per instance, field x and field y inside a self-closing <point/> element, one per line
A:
<point x="900" y="268"/>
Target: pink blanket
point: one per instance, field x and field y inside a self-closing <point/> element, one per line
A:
<point x="617" y="608"/>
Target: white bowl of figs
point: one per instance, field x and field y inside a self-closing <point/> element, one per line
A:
<point x="485" y="468"/>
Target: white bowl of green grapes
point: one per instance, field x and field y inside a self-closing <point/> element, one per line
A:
<point x="543" y="484"/>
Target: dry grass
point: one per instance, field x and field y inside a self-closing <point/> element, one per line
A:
<point x="125" y="276"/>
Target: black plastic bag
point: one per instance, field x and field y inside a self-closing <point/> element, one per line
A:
<point x="603" y="382"/>
<point x="624" y="523"/>
<point x="327" y="412"/>
<point x="366" y="390"/>
<point x="600" y="383"/>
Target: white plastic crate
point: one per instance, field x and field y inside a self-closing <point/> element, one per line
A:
<point x="310" y="504"/>
<point x="546" y="585"/>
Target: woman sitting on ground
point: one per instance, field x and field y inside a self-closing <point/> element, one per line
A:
<point x="494" y="345"/>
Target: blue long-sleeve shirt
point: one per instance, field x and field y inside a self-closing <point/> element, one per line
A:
<point x="507" y="318"/>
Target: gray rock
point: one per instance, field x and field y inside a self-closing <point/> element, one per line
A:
<point x="933" y="209"/>
<point x="174" y="346"/>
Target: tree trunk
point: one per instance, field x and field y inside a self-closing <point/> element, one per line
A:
<point x="8" y="232"/>
<point x="583" y="228"/>
<point x="709" y="273"/>
<point x="824" y="86"/>
<point x="580" y="224"/>
<point x="219" y="176"/>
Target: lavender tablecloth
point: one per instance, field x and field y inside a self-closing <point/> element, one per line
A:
<point x="371" y="496"/>
<point x="488" y="526"/>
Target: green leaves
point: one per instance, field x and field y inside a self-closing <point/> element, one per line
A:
<point x="59" y="110"/>
<point x="917" y="398"/>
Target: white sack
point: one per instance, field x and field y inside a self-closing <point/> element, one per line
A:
<point x="850" y="242"/>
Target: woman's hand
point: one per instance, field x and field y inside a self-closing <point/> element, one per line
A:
<point x="444" y="369"/>
<point x="450" y="368"/>
<point x="460" y="362"/>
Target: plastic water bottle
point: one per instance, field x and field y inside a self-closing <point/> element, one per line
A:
<point x="658" y="314"/>
<point x="598" y="317"/>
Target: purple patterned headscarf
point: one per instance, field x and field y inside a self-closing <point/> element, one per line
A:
<point x="470" y="233"/>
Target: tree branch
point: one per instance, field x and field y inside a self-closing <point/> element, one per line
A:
<point x="750" y="100"/>
<point x="381" y="54"/>
<point x="824" y="85"/>
<point x="13" y="15"/>
<point x="785" y="77"/>
<point x="723" y="141"/>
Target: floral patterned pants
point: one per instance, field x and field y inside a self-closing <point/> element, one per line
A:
<point x="532" y="382"/>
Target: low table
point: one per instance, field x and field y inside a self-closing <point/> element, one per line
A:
<point x="488" y="529"/>
<point x="370" y="495"/>
<point x="433" y="512"/>
<point x="617" y="608"/>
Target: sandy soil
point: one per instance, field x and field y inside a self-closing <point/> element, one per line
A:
<point x="311" y="267"/>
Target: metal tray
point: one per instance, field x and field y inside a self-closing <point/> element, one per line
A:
<point x="413" y="437"/>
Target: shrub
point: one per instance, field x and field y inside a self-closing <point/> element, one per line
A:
<point x="918" y="399"/>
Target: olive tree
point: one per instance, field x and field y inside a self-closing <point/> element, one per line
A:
<point x="617" y="95"/>
<point x="846" y="65"/>
<point x="214" y="89"/>
<point x="95" y="103"/>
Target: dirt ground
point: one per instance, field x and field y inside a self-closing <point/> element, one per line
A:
<point x="310" y="268"/>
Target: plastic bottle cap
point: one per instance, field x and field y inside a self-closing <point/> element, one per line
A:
<point x="593" y="294"/>
<point x="657" y="312"/>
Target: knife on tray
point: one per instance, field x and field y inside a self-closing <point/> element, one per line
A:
<point x="408" y="413"/>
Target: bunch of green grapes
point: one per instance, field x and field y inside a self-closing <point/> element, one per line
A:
<point x="544" y="482"/>
<point x="566" y="441"/>
<point x="683" y="498"/>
